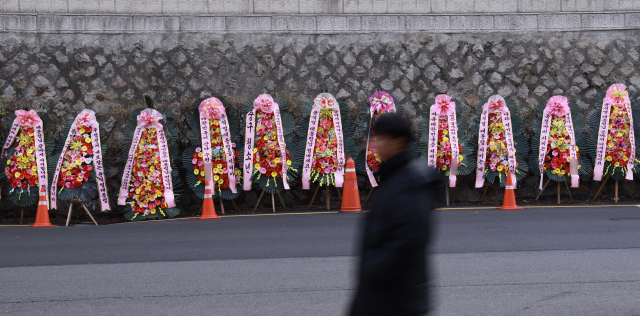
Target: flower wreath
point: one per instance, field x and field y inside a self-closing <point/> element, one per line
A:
<point x="380" y="102"/>
<point x="80" y="159"/>
<point x="558" y="142"/>
<point x="444" y="147"/>
<point x="213" y="145"/>
<point x="324" y="155"/>
<point x="147" y="181"/>
<point x="613" y="147"/>
<point x="500" y="142"/>
<point x="25" y="156"/>
<point x="267" y="160"/>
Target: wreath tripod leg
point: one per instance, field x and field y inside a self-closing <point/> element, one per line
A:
<point x="69" y="215"/>
<point x="314" y="195"/>
<point x="88" y="213"/>
<point x="446" y="189"/>
<point x="543" y="187"/>
<point x="259" y="199"/>
<point x="234" y="205"/>
<point x="273" y="203"/>
<point x="601" y="187"/>
<point x="368" y="195"/>
<point x="568" y="190"/>
<point x="339" y="193"/>
<point x="328" y="198"/>
<point x="630" y="192"/>
<point x="483" y="194"/>
<point x="616" y="194"/>
<point x="21" y="214"/>
<point x="221" y="206"/>
<point x="558" y="192"/>
<point x="282" y="201"/>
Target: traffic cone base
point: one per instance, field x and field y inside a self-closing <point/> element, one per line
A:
<point x="208" y="209"/>
<point x="509" y="202"/>
<point x="42" y="216"/>
<point x="350" y="193"/>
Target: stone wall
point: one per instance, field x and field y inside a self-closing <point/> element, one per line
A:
<point x="176" y="59"/>
<point x="313" y="6"/>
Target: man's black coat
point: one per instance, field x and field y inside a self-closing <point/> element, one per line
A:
<point x="393" y="278"/>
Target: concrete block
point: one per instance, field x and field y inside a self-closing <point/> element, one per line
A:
<point x="153" y="7"/>
<point x="123" y="6"/>
<point x="617" y="20"/>
<point x="420" y="22"/>
<point x="629" y="5"/>
<point x="118" y="23"/>
<point x="501" y="22"/>
<point x="351" y="6"/>
<point x="216" y="6"/>
<point x="409" y="6"/>
<point x="325" y="23"/>
<point x="464" y="22"/>
<point x="234" y="23"/>
<point x="263" y="23"/>
<point x="138" y="6"/>
<point x="574" y="21"/>
<point x="202" y="23"/>
<point x="443" y="22"/>
<point x="91" y="6"/>
<point x="12" y="22"/>
<point x="107" y="6"/>
<point x="307" y="23"/>
<point x="588" y="21"/>
<point x="248" y="23"/>
<point x="77" y="23"/>
<point x="459" y="6"/>
<point x="611" y="5"/>
<point x="279" y="23"/>
<point x="553" y="5"/>
<point x="552" y="21"/>
<point x="156" y="23"/>
<point x="485" y="22"/>
<point x="596" y="5"/>
<point x="365" y="6"/>
<point x="354" y="23"/>
<point x="93" y="23"/>
<point x="59" y="6"/>
<point x="308" y="7"/>
<point x="497" y="5"/>
<point x="632" y="19"/>
<point x="140" y="23"/>
<point x="10" y="6"/>
<point x="192" y="7"/>
<point x="568" y="6"/>
<point x="423" y="6"/>
<point x="171" y="23"/>
<point x="261" y="6"/>
<point x="371" y="23"/>
<point x="61" y="23"/>
<point x="603" y="20"/>
<point x="1" y="22"/>
<point x="218" y="23"/>
<point x="28" y="22"/>
<point x="43" y="6"/>
<point x="525" y="5"/>
<point x="170" y="7"/>
<point x="439" y="6"/>
<point x="27" y="6"/>
<point x="187" y="23"/>
<point x="394" y="6"/>
<point x="45" y="23"/>
<point x="76" y="6"/>
<point x="380" y="7"/>
<point x="290" y="6"/>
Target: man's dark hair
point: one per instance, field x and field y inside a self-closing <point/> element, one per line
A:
<point x="393" y="125"/>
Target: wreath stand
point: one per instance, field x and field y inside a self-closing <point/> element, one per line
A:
<point x="15" y="214"/>
<point x="566" y="185"/>
<point x="328" y="196"/>
<point x="74" y="201"/>
<point x="489" y="184"/>
<point x="273" y="203"/>
<point x="616" y="192"/>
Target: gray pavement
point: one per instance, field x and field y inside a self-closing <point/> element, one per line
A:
<point x="547" y="261"/>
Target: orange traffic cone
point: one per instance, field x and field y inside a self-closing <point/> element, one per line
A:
<point x="42" y="217"/>
<point x="350" y="193"/>
<point x="208" y="209"/>
<point x="509" y="197"/>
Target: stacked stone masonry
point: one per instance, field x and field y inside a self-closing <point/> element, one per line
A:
<point x="72" y="62"/>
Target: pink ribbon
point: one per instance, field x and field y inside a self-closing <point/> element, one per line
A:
<point x="322" y="102"/>
<point x="85" y="118"/>
<point x="149" y="119"/>
<point x="616" y="94"/>
<point x="380" y="102"/>
<point x="444" y="107"/>
<point x="263" y="103"/>
<point x="496" y="104"/>
<point x="558" y="106"/>
<point x="31" y="119"/>
<point x="212" y="109"/>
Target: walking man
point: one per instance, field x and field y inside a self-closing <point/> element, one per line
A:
<point x="393" y="277"/>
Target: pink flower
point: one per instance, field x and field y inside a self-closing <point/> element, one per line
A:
<point x="28" y="118"/>
<point x="265" y="103"/>
<point x="263" y="170"/>
<point x="557" y="105"/>
<point x="211" y="108"/>
<point x="150" y="118"/>
<point x="194" y="161"/>
<point x="444" y="104"/>
<point x="198" y="149"/>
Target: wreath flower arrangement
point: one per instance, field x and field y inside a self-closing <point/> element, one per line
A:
<point x="500" y="142"/>
<point x="79" y="164"/>
<point x="615" y="148"/>
<point x="559" y="142"/>
<point x="147" y="182"/>
<point x="213" y="132"/>
<point x="380" y="103"/>
<point x="324" y="159"/>
<point x="25" y="157"/>
<point x="266" y="157"/>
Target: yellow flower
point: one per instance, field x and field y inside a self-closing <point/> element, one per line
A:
<point x="609" y="158"/>
<point x="9" y="162"/>
<point x="562" y="172"/>
<point x="444" y="167"/>
<point x="288" y="162"/>
<point x="445" y="131"/>
<point x="274" y="174"/>
<point x="87" y="140"/>
<point x="196" y="172"/>
<point x="219" y="165"/>
<point x="220" y="181"/>
<point x="617" y="164"/>
<point x="257" y="166"/>
<point x="84" y="148"/>
<point x="255" y="150"/>
<point x="460" y="158"/>
<point x="158" y="193"/>
<point x="200" y="154"/>
<point x="153" y="210"/>
<point x="216" y="178"/>
<point x="152" y="169"/>
<point x="277" y="160"/>
<point x="266" y="138"/>
<point x="499" y="168"/>
<point x="216" y="170"/>
<point x="17" y="174"/>
<point x="34" y="168"/>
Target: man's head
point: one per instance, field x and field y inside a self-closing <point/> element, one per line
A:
<point x="392" y="132"/>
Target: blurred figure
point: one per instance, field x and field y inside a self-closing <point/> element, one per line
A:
<point x="392" y="276"/>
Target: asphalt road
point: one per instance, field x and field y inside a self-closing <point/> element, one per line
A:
<point x="545" y="261"/>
